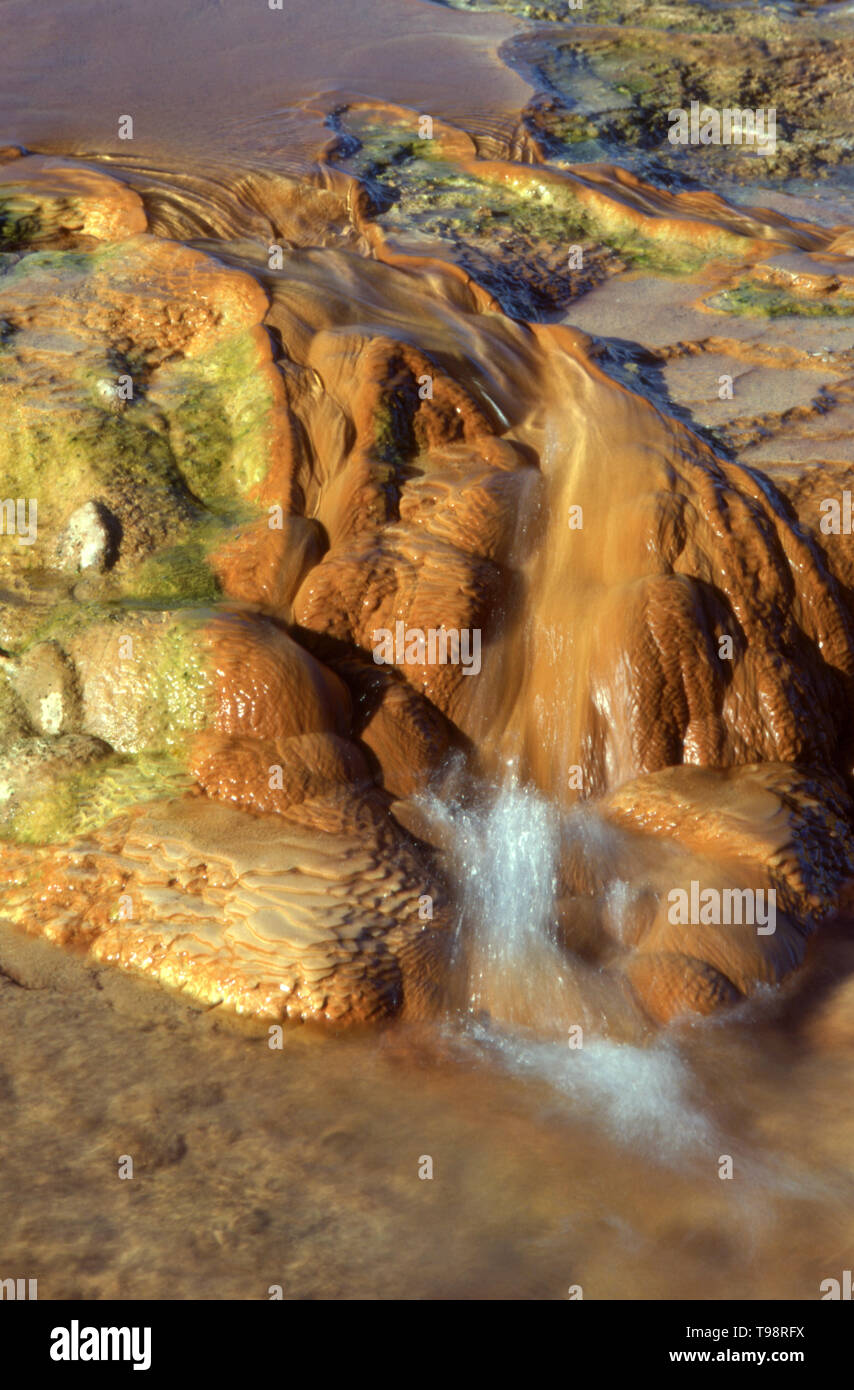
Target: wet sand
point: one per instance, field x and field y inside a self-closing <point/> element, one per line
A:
<point x="300" y="1167"/>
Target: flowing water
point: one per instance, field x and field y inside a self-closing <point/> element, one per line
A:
<point x="590" y="1119"/>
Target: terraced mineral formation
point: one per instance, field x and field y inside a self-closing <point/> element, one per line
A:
<point x="249" y="425"/>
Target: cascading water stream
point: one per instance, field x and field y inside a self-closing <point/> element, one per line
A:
<point x="508" y="860"/>
<point x="521" y="995"/>
<point x="507" y="854"/>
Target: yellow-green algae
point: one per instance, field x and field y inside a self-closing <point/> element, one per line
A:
<point x="218" y="409"/>
<point x="176" y="464"/>
<point x="80" y="800"/>
<point x="419" y="191"/>
<point x="770" y="301"/>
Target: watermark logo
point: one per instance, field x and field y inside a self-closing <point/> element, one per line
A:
<point x="76" y="1343"/>
<point x="435" y="646"/>
<point x="705" y="125"/>
<point x="15" y="521"/>
<point x="836" y="519"/>
<point x="838" y="1289"/>
<point x="724" y="907"/>
<point x="19" y="1289"/>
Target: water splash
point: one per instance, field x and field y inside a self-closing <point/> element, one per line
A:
<point x="508" y="965"/>
<point x="645" y="1097"/>
<point x="522" y="999"/>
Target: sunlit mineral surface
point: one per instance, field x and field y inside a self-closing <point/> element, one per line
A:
<point x="426" y="651"/>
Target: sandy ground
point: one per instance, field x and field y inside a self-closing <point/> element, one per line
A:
<point x="256" y="1167"/>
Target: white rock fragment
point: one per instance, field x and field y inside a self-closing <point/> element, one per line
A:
<point x="45" y="682"/>
<point x="88" y="540"/>
<point x="52" y="712"/>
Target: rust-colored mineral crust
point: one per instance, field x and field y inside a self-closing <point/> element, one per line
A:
<point x="247" y="474"/>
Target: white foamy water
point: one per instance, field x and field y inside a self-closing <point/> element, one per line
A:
<point x="522" y="998"/>
<point x="508" y="965"/>
<point x="507" y="864"/>
<point x="641" y="1096"/>
<point x="512" y="964"/>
